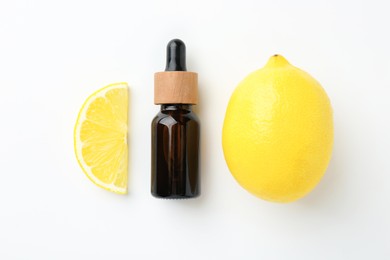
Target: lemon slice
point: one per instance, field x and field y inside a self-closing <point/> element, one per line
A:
<point x="100" y="137"/>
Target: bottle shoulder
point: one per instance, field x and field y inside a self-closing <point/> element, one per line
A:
<point x="175" y="117"/>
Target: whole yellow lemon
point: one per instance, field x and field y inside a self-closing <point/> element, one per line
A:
<point x="278" y="132"/>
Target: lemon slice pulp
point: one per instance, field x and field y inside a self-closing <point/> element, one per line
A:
<point x="100" y="137"/>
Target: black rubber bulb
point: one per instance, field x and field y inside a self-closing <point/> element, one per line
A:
<point x="176" y="56"/>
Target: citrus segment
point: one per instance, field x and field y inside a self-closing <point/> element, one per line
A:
<point x="100" y="137"/>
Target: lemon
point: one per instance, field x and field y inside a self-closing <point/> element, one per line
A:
<point x="100" y="137"/>
<point x="278" y="132"/>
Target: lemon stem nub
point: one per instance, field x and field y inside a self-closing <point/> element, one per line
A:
<point x="277" y="60"/>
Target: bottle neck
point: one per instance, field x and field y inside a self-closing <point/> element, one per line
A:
<point x="167" y="107"/>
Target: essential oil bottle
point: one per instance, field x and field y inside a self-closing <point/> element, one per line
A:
<point x="175" y="129"/>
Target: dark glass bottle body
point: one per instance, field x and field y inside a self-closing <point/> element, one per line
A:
<point x="175" y="153"/>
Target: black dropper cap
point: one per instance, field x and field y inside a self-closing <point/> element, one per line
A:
<point x="176" y="56"/>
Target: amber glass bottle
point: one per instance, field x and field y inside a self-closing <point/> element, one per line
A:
<point x="175" y="129"/>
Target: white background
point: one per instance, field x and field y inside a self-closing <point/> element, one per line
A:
<point x="54" y="54"/>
